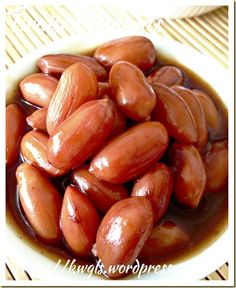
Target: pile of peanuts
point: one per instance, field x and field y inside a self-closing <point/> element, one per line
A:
<point x="107" y="120"/>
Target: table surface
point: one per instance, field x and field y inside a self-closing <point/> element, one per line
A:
<point x="31" y="27"/>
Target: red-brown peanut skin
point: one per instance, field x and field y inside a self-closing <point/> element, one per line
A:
<point x="38" y="89"/>
<point x="104" y="89"/>
<point x="168" y="75"/>
<point x="41" y="202"/>
<point x="216" y="166"/>
<point x="198" y="114"/>
<point x="123" y="232"/>
<point x="131" y="153"/>
<point x="190" y="175"/>
<point x="34" y="151"/>
<point x="174" y="113"/>
<point x="210" y="110"/>
<point x="56" y="64"/>
<point x="137" y="50"/>
<point x="15" y="127"/>
<point x="165" y="240"/>
<point x="81" y="134"/>
<point x="102" y="194"/>
<point x="156" y="185"/>
<point x="37" y="120"/>
<point x="77" y="85"/>
<point x="79" y="222"/>
<point x="131" y="91"/>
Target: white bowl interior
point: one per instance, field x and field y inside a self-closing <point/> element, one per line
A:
<point x="43" y="267"/>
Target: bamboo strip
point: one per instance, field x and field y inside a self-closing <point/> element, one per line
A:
<point x="208" y="36"/>
<point x="15" y="41"/>
<point x="16" y="272"/>
<point x="11" y="50"/>
<point x="214" y="276"/>
<point x="212" y="17"/>
<point x="223" y="271"/>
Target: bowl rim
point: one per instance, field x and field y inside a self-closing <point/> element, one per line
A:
<point x="192" y="268"/>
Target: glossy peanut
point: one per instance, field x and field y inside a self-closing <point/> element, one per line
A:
<point x="137" y="50"/>
<point x="104" y="89"/>
<point x="81" y="134"/>
<point x="198" y="114"/>
<point x="131" y="153"/>
<point x="79" y="222"/>
<point x="168" y="75"/>
<point x="38" y="89"/>
<point x="174" y="113"/>
<point x="77" y="85"/>
<point x="166" y="239"/>
<point x="34" y="151"/>
<point x="123" y="232"/>
<point x="102" y="194"/>
<point x="210" y="110"/>
<point x="37" y="120"/>
<point x="156" y="185"/>
<point x="190" y="175"/>
<point x="40" y="201"/>
<point x="131" y="91"/>
<point x="15" y="127"/>
<point x="216" y="166"/>
<point x="56" y="64"/>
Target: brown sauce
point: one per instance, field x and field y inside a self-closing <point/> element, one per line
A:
<point x="204" y="224"/>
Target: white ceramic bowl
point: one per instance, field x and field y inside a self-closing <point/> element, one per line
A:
<point x="42" y="267"/>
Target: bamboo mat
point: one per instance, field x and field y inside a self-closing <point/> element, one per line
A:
<point x="31" y="27"/>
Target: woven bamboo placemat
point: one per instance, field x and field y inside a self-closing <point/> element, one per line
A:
<point x="31" y="27"/>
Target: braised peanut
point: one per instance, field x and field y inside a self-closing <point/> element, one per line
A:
<point x="41" y="202"/>
<point x="168" y="75"/>
<point x="210" y="110"/>
<point x="216" y="166"/>
<point x="81" y="134"/>
<point x="131" y="153"/>
<point x="166" y="239"/>
<point x="34" y="151"/>
<point x="137" y="50"/>
<point x="131" y="91"/>
<point x="77" y="85"/>
<point x="79" y="222"/>
<point x="157" y="186"/>
<point x="173" y="112"/>
<point x="102" y="194"/>
<point x="198" y="114"/>
<point x="15" y="127"/>
<point x="57" y="63"/>
<point x="190" y="175"/>
<point x="38" y="89"/>
<point x="37" y="120"/>
<point x="123" y="232"/>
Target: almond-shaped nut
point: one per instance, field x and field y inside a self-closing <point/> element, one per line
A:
<point x="123" y="232"/>
<point x="77" y="85"/>
<point x="137" y="50"/>
<point x="190" y="175"/>
<point x="15" y="128"/>
<point x="38" y="89"/>
<point x="40" y="201"/>
<point x="102" y="194"/>
<point x="129" y="154"/>
<point x="166" y="240"/>
<point x="216" y="166"/>
<point x="198" y="114"/>
<point x="79" y="222"/>
<point x="78" y="137"/>
<point x="34" y="151"/>
<point x="156" y="184"/>
<point x="210" y="110"/>
<point x="173" y="112"/>
<point x="168" y="75"/>
<point x="37" y="120"/>
<point x="131" y="91"/>
<point x="55" y="64"/>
